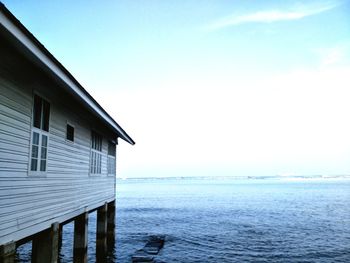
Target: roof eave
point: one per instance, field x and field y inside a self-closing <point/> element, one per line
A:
<point x="22" y="35"/>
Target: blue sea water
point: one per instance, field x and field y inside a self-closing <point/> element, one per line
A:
<point x="228" y="220"/>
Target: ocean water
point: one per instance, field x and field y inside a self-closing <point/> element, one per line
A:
<point x="227" y="220"/>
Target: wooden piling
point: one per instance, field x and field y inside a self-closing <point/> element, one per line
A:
<point x="45" y="245"/>
<point x="111" y="229"/>
<point x="8" y="252"/>
<point x="101" y="233"/>
<point x="80" y="238"/>
<point x="60" y="236"/>
<point x="111" y="218"/>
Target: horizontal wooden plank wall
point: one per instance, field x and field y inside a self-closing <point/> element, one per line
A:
<point x="29" y="203"/>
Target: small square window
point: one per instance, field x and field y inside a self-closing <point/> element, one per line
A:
<point x="70" y="133"/>
<point x="111" y="149"/>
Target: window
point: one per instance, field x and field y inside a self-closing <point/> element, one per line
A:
<point x="111" y="163"/>
<point x="96" y="153"/>
<point x="70" y="133"/>
<point x="41" y="113"/>
<point x="39" y="140"/>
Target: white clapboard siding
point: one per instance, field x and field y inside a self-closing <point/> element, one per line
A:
<point x="30" y="203"/>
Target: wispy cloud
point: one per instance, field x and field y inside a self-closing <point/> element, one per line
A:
<point x="269" y="16"/>
<point x="335" y="55"/>
<point x="332" y="56"/>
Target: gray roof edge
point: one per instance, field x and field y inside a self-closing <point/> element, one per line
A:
<point x="23" y="35"/>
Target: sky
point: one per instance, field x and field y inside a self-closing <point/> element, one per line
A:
<point x="211" y="88"/>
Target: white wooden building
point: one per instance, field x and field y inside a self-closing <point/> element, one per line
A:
<point x="57" y="144"/>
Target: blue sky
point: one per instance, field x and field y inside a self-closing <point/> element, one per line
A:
<point x="211" y="87"/>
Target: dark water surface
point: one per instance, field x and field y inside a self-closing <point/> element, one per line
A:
<point x="228" y="220"/>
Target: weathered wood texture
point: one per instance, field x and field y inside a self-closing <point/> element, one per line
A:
<point x="101" y="233"/>
<point x="29" y="203"/>
<point x="80" y="238"/>
<point x="8" y="252"/>
<point x="45" y="245"/>
<point x="111" y="218"/>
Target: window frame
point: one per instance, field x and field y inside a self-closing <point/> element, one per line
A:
<point x="42" y="115"/>
<point x="113" y="158"/>
<point x="95" y="154"/>
<point x="73" y="126"/>
<point x="41" y="132"/>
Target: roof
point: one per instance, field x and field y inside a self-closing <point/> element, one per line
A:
<point x="27" y="41"/>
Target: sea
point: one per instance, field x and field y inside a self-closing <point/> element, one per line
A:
<point x="226" y="220"/>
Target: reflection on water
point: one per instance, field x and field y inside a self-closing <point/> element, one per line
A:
<point x="226" y="221"/>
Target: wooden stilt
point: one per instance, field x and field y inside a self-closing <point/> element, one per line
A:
<point x="60" y="232"/>
<point x="80" y="238"/>
<point x="101" y="233"/>
<point x="111" y="218"/>
<point x="45" y="245"/>
<point x="111" y="229"/>
<point x="8" y="252"/>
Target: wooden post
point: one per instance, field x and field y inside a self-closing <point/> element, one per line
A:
<point x="111" y="228"/>
<point x="111" y="218"/>
<point x="80" y="238"/>
<point x="101" y="233"/>
<point x="45" y="245"/>
<point x="8" y="252"/>
<point x="60" y="233"/>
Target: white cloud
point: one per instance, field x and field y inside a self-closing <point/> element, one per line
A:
<point x="290" y="122"/>
<point x="332" y="56"/>
<point x="270" y="16"/>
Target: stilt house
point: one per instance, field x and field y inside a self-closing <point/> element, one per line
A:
<point x="57" y="144"/>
